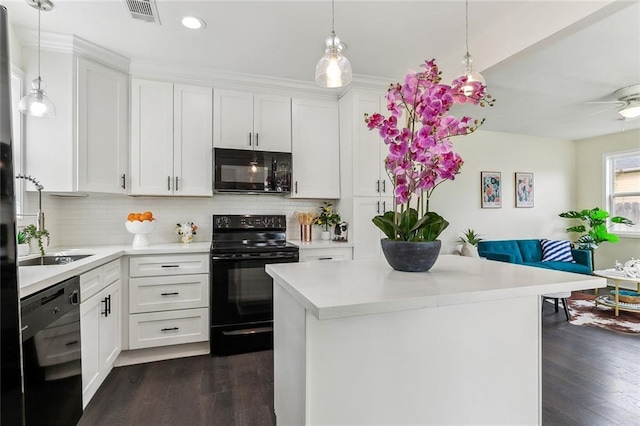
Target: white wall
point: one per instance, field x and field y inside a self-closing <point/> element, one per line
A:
<point x="550" y="160"/>
<point x="100" y="218"/>
<point x="15" y="50"/>
<point x="590" y="188"/>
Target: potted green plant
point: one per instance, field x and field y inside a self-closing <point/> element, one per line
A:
<point x="327" y="218"/>
<point x="420" y="158"/>
<point x="23" y="244"/>
<point x="31" y="233"/>
<point x="596" y="227"/>
<point x="469" y="241"/>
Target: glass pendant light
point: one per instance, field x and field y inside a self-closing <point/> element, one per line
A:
<point x="37" y="103"/>
<point x="333" y="69"/>
<point x="467" y="60"/>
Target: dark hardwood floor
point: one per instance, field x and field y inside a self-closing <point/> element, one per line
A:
<point x="590" y="376"/>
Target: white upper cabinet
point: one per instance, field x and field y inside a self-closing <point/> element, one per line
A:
<point x="171" y="139"/>
<point x="369" y="150"/>
<point x="103" y="128"/>
<point x="316" y="149"/>
<point x="85" y="147"/>
<point x="246" y="120"/>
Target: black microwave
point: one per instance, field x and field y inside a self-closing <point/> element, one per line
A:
<point x="239" y="170"/>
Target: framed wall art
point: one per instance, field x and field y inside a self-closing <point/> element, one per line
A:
<point x="491" y="190"/>
<point x="524" y="189"/>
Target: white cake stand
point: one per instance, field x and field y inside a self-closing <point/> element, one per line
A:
<point x="141" y="230"/>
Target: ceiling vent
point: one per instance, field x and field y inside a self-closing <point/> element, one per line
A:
<point x="144" y="10"/>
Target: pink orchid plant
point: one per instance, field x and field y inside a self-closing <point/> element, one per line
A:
<point x="418" y="132"/>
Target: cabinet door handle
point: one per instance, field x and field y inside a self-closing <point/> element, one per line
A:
<point x="296" y="187"/>
<point x="176" y="183"/>
<point x="106" y="311"/>
<point x="257" y="142"/>
<point x="109" y="304"/>
<point x="378" y="186"/>
<point x="384" y="206"/>
<point x="384" y="185"/>
<point x="168" y="183"/>
<point x="170" y="329"/>
<point x="249" y="138"/>
<point x="378" y="207"/>
<point x="170" y="266"/>
<point x="174" y="293"/>
<point x="124" y="181"/>
<point x="325" y="258"/>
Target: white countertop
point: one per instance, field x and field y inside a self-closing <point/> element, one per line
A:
<point x="361" y="287"/>
<point x="35" y="278"/>
<point x="320" y="244"/>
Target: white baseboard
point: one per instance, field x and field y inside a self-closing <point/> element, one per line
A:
<point x="140" y="356"/>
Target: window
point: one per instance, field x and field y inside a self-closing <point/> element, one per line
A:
<point x="623" y="190"/>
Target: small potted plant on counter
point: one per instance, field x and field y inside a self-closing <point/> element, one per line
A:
<point x="23" y="244"/>
<point x="327" y="218"/>
<point x="31" y="232"/>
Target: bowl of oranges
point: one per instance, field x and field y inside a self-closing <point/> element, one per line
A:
<point x="141" y="225"/>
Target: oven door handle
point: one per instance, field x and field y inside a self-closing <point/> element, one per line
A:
<point x="249" y="257"/>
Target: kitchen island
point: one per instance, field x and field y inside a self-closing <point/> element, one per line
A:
<point x="357" y="343"/>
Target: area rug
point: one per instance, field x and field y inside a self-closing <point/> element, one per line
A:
<point x="584" y="312"/>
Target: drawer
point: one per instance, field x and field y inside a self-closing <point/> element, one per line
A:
<point x="168" y="328"/>
<point x="149" y="266"/>
<point x="91" y="283"/>
<point x="111" y="272"/>
<point x="313" y="255"/>
<point x="151" y="294"/>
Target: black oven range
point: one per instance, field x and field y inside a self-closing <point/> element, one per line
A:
<point x="241" y="291"/>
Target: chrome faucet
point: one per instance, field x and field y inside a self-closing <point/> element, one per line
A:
<point x="39" y="187"/>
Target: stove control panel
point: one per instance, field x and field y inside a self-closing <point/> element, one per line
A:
<point x="249" y="221"/>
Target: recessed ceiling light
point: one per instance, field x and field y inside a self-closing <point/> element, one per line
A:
<point x="192" y="22"/>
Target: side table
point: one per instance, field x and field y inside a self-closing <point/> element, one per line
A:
<point x="616" y="277"/>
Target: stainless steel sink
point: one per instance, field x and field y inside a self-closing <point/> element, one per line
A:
<point x="52" y="260"/>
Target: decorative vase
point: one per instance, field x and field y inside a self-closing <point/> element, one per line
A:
<point x="23" y="249"/>
<point x="469" y="251"/>
<point x="326" y="235"/>
<point x="410" y="256"/>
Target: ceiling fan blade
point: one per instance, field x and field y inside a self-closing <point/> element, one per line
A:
<point x="598" y="112"/>
<point x="619" y="103"/>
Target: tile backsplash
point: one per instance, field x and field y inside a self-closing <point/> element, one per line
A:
<point x="99" y="218"/>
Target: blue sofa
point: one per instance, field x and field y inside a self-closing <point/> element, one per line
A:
<point x="529" y="253"/>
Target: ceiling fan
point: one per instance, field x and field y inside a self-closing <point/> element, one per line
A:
<point x="628" y="102"/>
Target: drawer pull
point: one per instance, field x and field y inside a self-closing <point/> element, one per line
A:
<point x="170" y="266"/>
<point x="325" y="258"/>
<point x="171" y="329"/>
<point x="175" y="293"/>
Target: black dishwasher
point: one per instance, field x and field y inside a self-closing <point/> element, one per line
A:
<point x="51" y="355"/>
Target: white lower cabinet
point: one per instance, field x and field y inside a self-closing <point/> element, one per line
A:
<point x="100" y="325"/>
<point x="325" y="254"/>
<point x="168" y="300"/>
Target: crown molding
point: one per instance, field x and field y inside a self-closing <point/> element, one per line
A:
<point x="67" y="43"/>
<point x="210" y="77"/>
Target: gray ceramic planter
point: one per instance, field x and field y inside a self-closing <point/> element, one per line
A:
<point x="408" y="256"/>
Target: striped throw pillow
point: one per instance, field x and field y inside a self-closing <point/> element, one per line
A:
<point x="559" y="251"/>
